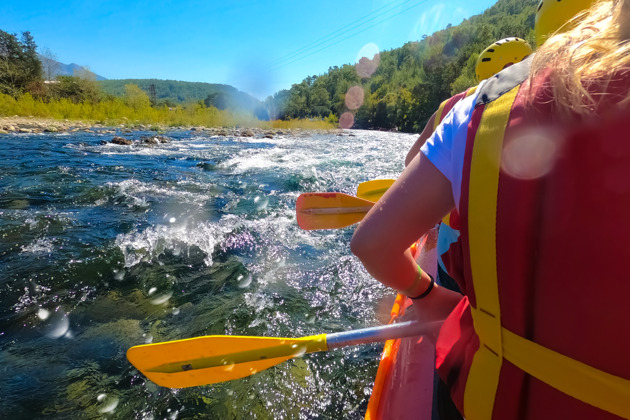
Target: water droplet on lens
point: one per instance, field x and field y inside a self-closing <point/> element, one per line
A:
<point x="159" y="300"/>
<point x="244" y="281"/>
<point x="56" y="325"/>
<point x="300" y="350"/>
<point x="108" y="404"/>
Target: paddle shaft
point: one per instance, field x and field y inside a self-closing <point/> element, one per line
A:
<point x="337" y="210"/>
<point x="376" y="334"/>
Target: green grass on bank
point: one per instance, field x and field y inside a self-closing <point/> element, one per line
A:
<point x="115" y="111"/>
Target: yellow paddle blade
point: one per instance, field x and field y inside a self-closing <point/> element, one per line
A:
<point x="216" y="358"/>
<point x="330" y="210"/>
<point x="373" y="190"/>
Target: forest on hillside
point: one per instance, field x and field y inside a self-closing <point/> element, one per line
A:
<point x="409" y="82"/>
<point x="174" y="92"/>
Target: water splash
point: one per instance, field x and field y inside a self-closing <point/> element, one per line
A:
<point x="149" y="244"/>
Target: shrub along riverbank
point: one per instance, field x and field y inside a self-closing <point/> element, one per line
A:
<point x="117" y="111"/>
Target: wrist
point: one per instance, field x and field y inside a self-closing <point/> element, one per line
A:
<point x="417" y="290"/>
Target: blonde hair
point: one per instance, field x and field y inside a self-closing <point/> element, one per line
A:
<point x="591" y="54"/>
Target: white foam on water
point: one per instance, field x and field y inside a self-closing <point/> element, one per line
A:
<point x="139" y="194"/>
<point x="276" y="158"/>
<point x="40" y="246"/>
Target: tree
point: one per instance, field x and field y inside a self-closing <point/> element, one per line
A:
<point x="219" y="100"/>
<point x="136" y="98"/>
<point x="19" y="64"/>
<point x="49" y="63"/>
<point x="76" y="89"/>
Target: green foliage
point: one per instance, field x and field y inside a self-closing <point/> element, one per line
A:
<point x="19" y="65"/>
<point x="75" y="89"/>
<point x="134" y="108"/>
<point x="411" y="81"/>
<point x="135" y="98"/>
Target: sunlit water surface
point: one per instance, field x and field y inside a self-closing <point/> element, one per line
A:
<point x="103" y="247"/>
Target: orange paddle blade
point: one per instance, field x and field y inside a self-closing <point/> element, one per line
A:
<point x="373" y="190"/>
<point x="216" y="358"/>
<point x="330" y="210"/>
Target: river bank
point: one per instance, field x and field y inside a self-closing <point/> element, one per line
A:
<point x="19" y="124"/>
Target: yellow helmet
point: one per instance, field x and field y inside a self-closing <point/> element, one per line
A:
<point x="552" y="15"/>
<point x="500" y="55"/>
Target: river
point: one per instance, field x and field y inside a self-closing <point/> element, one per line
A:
<point x="105" y="246"/>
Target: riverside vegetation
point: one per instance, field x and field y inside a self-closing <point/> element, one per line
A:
<point x="401" y="88"/>
<point x="24" y="92"/>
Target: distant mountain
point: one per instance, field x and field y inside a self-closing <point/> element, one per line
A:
<point x="55" y="68"/>
<point x="173" y="92"/>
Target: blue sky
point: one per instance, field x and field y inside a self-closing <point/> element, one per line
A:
<point x="259" y="47"/>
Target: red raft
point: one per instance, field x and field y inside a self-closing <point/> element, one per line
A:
<point x="403" y="387"/>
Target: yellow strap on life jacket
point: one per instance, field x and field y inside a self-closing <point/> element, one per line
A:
<point x="579" y="380"/>
<point x="483" y="377"/>
<point x="438" y="114"/>
<point x="586" y="383"/>
<point x="470" y="91"/>
<point x="440" y="111"/>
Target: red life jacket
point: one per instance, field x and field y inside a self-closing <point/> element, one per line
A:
<point x="543" y="330"/>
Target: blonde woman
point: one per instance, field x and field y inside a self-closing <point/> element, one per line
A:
<point x="537" y="163"/>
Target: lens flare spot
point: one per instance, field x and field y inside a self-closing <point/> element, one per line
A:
<point x="355" y="97"/>
<point x="346" y="120"/>
<point x="367" y="60"/>
<point x="529" y="156"/>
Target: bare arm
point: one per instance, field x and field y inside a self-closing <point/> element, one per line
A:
<point x="418" y="200"/>
<point x="426" y="133"/>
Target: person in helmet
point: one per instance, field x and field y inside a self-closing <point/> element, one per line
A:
<point x="496" y="57"/>
<point x="493" y="59"/>
<point x="500" y="55"/>
<point x="538" y="164"/>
